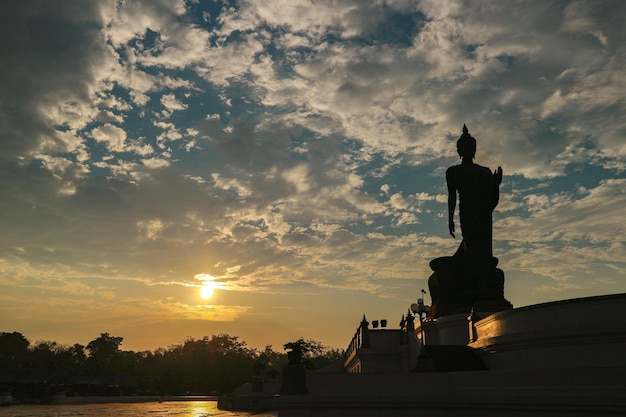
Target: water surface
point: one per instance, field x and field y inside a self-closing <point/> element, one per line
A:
<point x="150" y="409"/>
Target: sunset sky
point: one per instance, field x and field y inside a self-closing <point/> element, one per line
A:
<point x="291" y="154"/>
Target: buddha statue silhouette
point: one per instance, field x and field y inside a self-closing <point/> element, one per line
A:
<point x="470" y="276"/>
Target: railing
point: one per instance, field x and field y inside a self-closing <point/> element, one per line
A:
<point x="360" y="339"/>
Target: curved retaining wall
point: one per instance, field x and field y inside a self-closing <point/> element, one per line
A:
<point x="582" y="332"/>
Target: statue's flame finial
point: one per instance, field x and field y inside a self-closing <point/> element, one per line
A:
<point x="465" y="128"/>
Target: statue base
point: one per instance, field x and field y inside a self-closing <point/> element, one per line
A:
<point x="455" y="290"/>
<point x="294" y="380"/>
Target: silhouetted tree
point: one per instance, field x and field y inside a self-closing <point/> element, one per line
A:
<point x="13" y="350"/>
<point x="71" y="359"/>
<point x="103" y="352"/>
<point x="313" y="353"/>
<point x="42" y="355"/>
<point x="274" y="361"/>
<point x="215" y="364"/>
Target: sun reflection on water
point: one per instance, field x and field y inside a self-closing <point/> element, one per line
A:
<point x="202" y="409"/>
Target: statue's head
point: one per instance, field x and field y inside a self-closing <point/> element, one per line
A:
<point x="466" y="145"/>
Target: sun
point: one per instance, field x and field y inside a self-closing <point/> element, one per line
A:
<point x="206" y="291"/>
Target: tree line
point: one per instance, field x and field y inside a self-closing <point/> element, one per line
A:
<point x="210" y="365"/>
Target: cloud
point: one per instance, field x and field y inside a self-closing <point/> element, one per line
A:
<point x="47" y="80"/>
<point x="155" y="163"/>
<point x="170" y="102"/>
<point x="131" y="19"/>
<point x="112" y="136"/>
<point x="472" y="70"/>
<point x="596" y="216"/>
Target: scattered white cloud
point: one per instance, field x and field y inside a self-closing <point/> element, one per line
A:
<point x="112" y="136"/>
<point x="170" y="102"/>
<point x="155" y="163"/>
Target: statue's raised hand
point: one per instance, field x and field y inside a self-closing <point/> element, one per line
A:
<point x="497" y="174"/>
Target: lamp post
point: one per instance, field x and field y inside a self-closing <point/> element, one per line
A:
<point x="419" y="309"/>
<point x="423" y="361"/>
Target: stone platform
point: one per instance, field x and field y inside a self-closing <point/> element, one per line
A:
<point x="564" y="358"/>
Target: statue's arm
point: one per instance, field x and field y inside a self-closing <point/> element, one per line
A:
<point x="497" y="178"/>
<point x="451" y="201"/>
